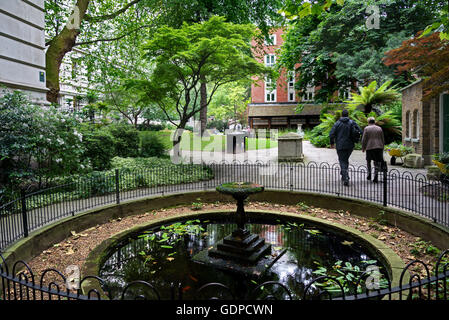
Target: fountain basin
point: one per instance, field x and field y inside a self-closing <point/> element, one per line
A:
<point x="294" y="272"/>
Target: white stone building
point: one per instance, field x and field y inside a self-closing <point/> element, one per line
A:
<point x="22" y="47"/>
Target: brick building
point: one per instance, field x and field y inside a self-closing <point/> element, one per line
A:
<point x="273" y="103"/>
<point x="425" y="123"/>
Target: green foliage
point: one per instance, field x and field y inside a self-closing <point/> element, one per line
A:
<point x="220" y="125"/>
<point x="347" y="276"/>
<point x="403" y="149"/>
<point x="214" y="52"/>
<point x="99" y="146"/>
<point x="442" y="157"/>
<point x="126" y="139"/>
<point x="151" y="145"/>
<point x="371" y="96"/>
<point x="421" y="247"/>
<point x="335" y="47"/>
<point x="37" y="143"/>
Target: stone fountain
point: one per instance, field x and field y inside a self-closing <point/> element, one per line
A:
<point x="241" y="251"/>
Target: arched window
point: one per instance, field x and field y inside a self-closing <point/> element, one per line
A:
<point x="407" y="124"/>
<point x="415" y="124"/>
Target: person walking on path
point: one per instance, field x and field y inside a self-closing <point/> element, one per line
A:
<point x="343" y="135"/>
<point x="373" y="143"/>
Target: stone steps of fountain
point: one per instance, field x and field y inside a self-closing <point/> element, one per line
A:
<point x="252" y="247"/>
<point x="248" y="257"/>
<point x="243" y="243"/>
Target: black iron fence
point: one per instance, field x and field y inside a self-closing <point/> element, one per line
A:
<point x="399" y="189"/>
<point x="20" y="283"/>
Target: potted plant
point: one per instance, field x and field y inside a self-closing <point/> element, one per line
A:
<point x="395" y="149"/>
<point x="441" y="160"/>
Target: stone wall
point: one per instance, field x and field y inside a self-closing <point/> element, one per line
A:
<point x="420" y="122"/>
<point x="22" y="50"/>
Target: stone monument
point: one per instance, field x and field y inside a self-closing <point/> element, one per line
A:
<point x="290" y="147"/>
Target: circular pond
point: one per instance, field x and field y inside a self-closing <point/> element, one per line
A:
<point x="164" y="256"/>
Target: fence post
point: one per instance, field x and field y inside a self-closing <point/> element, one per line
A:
<point x="385" y="182"/>
<point x="117" y="186"/>
<point x="291" y="176"/>
<point x="24" y="213"/>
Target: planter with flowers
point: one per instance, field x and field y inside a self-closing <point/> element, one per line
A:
<point x="397" y="150"/>
<point x="441" y="160"/>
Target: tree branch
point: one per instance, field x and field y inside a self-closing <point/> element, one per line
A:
<point x="111" y="39"/>
<point x="110" y="16"/>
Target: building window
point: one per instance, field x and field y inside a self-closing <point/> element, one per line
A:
<point x="309" y="95"/>
<point x="271" y="41"/>
<point x="270" y="90"/>
<point x="291" y="86"/>
<point x="345" y="93"/>
<point x="415" y="124"/>
<point x="407" y="124"/>
<point x="270" y="60"/>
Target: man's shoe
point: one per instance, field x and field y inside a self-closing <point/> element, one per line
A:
<point x="375" y="180"/>
<point x="368" y="177"/>
<point x="345" y="182"/>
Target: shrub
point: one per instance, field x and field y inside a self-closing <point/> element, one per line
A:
<point x="151" y="127"/>
<point x="151" y="145"/>
<point x="100" y="148"/>
<point x="220" y="125"/>
<point x="126" y="139"/>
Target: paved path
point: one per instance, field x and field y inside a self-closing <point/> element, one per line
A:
<point x="403" y="190"/>
<point x="311" y="154"/>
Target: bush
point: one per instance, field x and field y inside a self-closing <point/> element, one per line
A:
<point x="100" y="148"/>
<point x="220" y="125"/>
<point x="151" y="145"/>
<point x="126" y="139"/>
<point x="151" y="127"/>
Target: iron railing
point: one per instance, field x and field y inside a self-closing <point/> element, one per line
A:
<point x="20" y="283"/>
<point x="398" y="189"/>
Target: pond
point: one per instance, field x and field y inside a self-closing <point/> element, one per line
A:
<point x="162" y="256"/>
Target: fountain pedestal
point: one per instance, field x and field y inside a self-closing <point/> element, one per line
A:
<point x="241" y="245"/>
<point x="241" y="252"/>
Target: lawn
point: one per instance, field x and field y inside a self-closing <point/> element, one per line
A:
<point x="215" y="143"/>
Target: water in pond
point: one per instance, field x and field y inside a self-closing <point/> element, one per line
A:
<point x="163" y="256"/>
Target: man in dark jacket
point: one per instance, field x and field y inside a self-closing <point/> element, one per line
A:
<point x="342" y="137"/>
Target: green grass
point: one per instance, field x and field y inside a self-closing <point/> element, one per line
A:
<point x="215" y="143"/>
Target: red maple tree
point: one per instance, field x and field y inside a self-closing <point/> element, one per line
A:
<point x="427" y="57"/>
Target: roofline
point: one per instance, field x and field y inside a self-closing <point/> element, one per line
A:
<point x="411" y="85"/>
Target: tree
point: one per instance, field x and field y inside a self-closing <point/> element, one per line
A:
<point x="214" y="50"/>
<point x="335" y="48"/>
<point x="92" y="22"/>
<point x="263" y="13"/>
<point x="426" y="57"/>
<point x="230" y="102"/>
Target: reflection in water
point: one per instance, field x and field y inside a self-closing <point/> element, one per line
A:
<point x="162" y="257"/>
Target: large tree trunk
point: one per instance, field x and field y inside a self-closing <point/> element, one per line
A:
<point x="203" y="103"/>
<point x="59" y="46"/>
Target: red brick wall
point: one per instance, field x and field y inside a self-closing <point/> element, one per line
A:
<point x="258" y="89"/>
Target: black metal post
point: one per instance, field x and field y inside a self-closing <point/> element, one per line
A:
<point x="385" y="182"/>
<point x="117" y="186"/>
<point x="24" y="213"/>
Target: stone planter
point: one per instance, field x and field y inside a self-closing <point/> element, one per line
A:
<point x="290" y="148"/>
